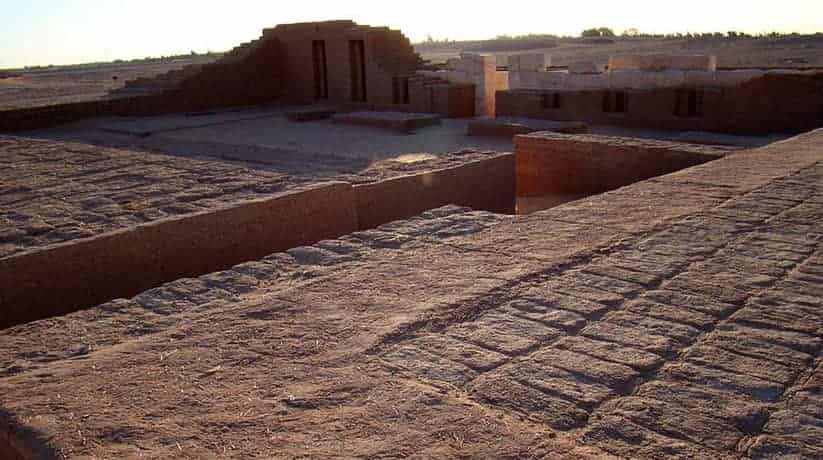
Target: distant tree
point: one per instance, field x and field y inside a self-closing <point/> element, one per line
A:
<point x="631" y="32"/>
<point x="597" y="32"/>
<point x="606" y="32"/>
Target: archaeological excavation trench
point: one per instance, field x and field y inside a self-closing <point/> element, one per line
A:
<point x="545" y="170"/>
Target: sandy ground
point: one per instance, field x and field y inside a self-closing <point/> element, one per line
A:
<point x="800" y="52"/>
<point x="266" y="138"/>
<point x="262" y="138"/>
<point x="62" y="85"/>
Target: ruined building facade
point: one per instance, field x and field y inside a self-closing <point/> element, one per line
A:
<point x="335" y="62"/>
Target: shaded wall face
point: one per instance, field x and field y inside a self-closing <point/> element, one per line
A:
<point x="256" y="79"/>
<point x="587" y="165"/>
<point x="772" y="104"/>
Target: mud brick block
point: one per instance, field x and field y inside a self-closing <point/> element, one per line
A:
<point x="795" y="340"/>
<point x="427" y="366"/>
<point x="724" y="381"/>
<point x="615" y="376"/>
<point x="679" y="333"/>
<point x="635" y="358"/>
<point x="546" y="295"/>
<point x="619" y="436"/>
<point x="781" y="316"/>
<point x="556" y="382"/>
<point x="546" y="314"/>
<point x="707" y="355"/>
<point x="670" y="419"/>
<point x="690" y="301"/>
<point x="504" y="333"/>
<point x="555" y="412"/>
<point x="476" y="358"/>
<point x="622" y="274"/>
<point x="692" y="318"/>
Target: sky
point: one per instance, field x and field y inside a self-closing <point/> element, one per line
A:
<point x="41" y="32"/>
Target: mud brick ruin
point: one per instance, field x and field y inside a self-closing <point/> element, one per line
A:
<point x="321" y="246"/>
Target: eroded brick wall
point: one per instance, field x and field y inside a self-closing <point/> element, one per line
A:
<point x="770" y="104"/>
<point x="560" y="164"/>
<point x="77" y="274"/>
<point x="122" y="263"/>
<point x="488" y="185"/>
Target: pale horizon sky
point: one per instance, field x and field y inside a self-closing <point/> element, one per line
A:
<point x="41" y="32"/>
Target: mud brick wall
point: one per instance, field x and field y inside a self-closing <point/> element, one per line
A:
<point x="387" y="53"/>
<point x="484" y="185"/>
<point x="56" y="279"/>
<point x="53" y="115"/>
<point x="280" y="66"/>
<point x="551" y="163"/>
<point x="122" y="263"/>
<point x="773" y="103"/>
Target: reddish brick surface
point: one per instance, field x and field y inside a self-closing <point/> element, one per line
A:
<point x="552" y="163"/>
<point x="95" y="224"/>
<point x="678" y="317"/>
<point x="486" y="185"/>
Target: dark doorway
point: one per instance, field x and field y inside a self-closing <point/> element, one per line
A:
<point x="400" y="90"/>
<point x="550" y="101"/>
<point x="615" y="102"/>
<point x="357" y="64"/>
<point x="321" y="79"/>
<point x="689" y="103"/>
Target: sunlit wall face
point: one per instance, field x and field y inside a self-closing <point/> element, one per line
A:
<point x="37" y="32"/>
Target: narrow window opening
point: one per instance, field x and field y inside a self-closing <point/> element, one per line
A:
<point x="321" y="79"/>
<point x="688" y="103"/>
<point x="550" y="101"/>
<point x="400" y="90"/>
<point x="357" y="65"/>
<point x="615" y="102"/>
<point x="620" y="102"/>
<point x="607" y="102"/>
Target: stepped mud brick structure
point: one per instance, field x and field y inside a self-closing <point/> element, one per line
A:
<point x="336" y="62"/>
